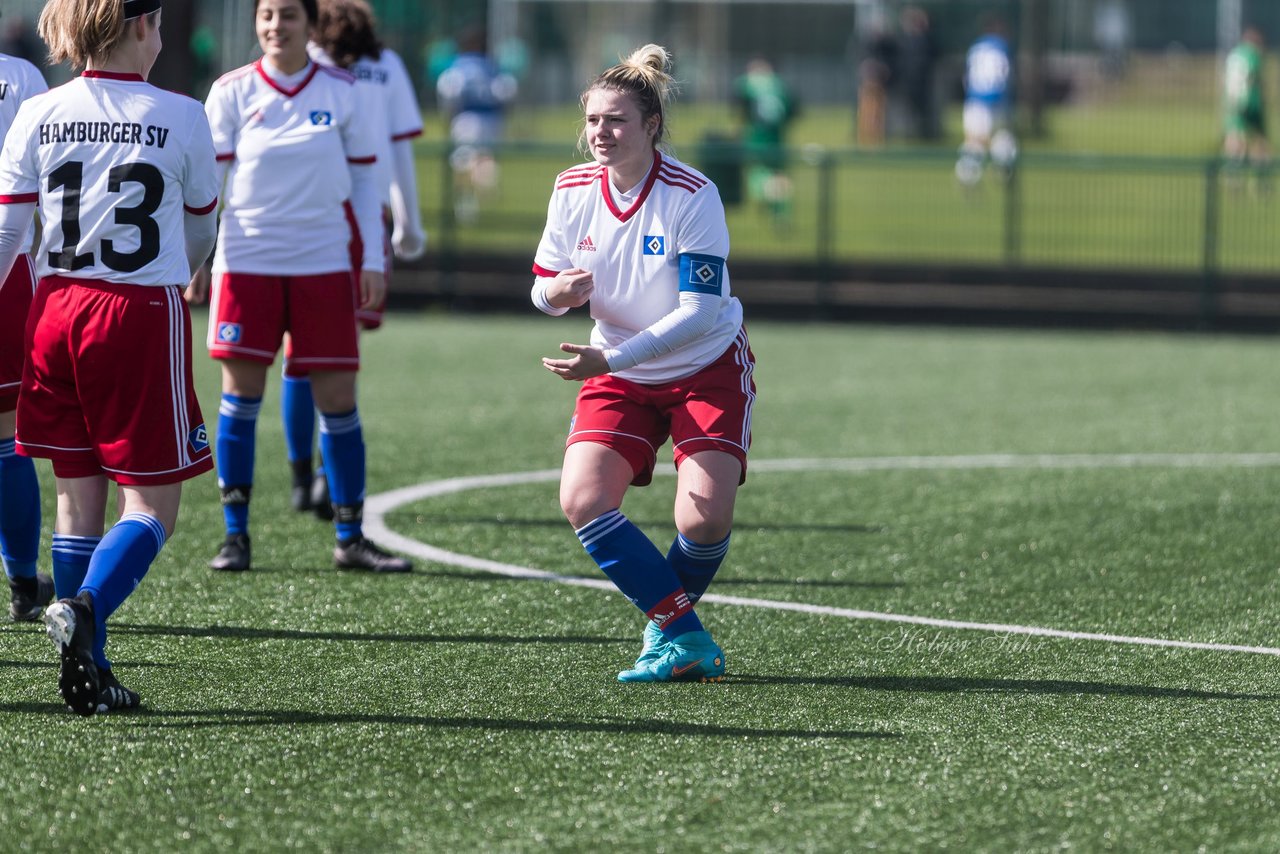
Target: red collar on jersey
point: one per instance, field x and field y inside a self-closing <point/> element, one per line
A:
<point x="288" y="93"/>
<point x="607" y="190"/>
<point x="113" y="75"/>
<point x="136" y="8"/>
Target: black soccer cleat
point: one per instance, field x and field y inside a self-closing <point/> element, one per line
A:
<point x="363" y="553"/>
<point x="28" y="596"/>
<point x="114" y="697"/>
<point x="69" y="624"/>
<point x="320" y="502"/>
<point x="234" y="554"/>
<point x="300" y="495"/>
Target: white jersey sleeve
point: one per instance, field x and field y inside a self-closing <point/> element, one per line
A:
<point x="19" y="80"/>
<point x="404" y="119"/>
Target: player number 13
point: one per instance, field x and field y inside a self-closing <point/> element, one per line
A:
<point x="70" y="177"/>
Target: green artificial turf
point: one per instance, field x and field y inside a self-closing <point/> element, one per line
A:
<point x="297" y="707"/>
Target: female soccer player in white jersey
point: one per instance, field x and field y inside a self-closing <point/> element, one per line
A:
<point x="346" y="36"/>
<point x="126" y="183"/>
<point x="642" y="237"/>
<point x="29" y="591"/>
<point x="301" y="152"/>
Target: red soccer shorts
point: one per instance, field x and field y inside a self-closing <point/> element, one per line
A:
<point x="107" y="388"/>
<point x="708" y="411"/>
<point x="15" y="301"/>
<point x="250" y="314"/>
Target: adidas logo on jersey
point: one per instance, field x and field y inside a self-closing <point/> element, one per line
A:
<point x="585" y="244"/>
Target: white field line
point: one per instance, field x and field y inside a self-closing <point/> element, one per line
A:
<point x="378" y="506"/>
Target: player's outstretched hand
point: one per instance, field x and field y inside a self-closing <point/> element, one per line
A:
<point x="373" y="289"/>
<point x="198" y="289"/>
<point x="587" y="362"/>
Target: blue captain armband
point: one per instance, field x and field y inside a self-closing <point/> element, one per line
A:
<point x="702" y="274"/>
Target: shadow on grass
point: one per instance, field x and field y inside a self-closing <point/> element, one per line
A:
<point x="950" y="685"/>
<point x="246" y="632"/>
<point x="407" y="521"/>
<point x="199" y="719"/>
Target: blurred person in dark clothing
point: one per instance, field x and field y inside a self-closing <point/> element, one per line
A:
<point x="917" y="58"/>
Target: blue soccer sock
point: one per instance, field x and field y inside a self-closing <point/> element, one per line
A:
<point x="19" y="512"/>
<point x="71" y="562"/>
<point x="639" y="570"/>
<point x="342" y="446"/>
<point x="236" y="448"/>
<point x="298" y="412"/>
<point x="117" y="567"/>
<point x="695" y="564"/>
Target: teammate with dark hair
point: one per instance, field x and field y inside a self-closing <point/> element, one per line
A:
<point x="300" y="150"/>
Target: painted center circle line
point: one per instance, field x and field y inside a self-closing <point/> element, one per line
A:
<point x="378" y="506"/>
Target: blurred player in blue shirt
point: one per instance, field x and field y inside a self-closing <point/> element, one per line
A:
<point x="475" y="92"/>
<point x="988" y="79"/>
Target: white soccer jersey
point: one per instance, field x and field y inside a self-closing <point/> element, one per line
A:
<point x="290" y="151"/>
<point x="667" y="235"/>
<point x="113" y="162"/>
<point x="19" y="80"/>
<point x="386" y="81"/>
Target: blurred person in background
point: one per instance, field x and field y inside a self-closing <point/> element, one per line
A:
<point x="1245" y="142"/>
<point x="298" y="149"/>
<point x="988" y="91"/>
<point x="877" y="74"/>
<point x="642" y="238"/>
<point x="917" y="62"/>
<point x="767" y="108"/>
<point x="346" y="37"/>
<point x="29" y="591"/>
<point x="475" y="93"/>
<point x="18" y="40"/>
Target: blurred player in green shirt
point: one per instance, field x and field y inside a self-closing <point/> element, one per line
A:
<point x="767" y="108"/>
<point x="1246" y="123"/>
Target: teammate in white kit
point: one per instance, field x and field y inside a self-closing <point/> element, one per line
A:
<point x="300" y="187"/>
<point x="126" y="183"/>
<point x="29" y="591"/>
<point x="346" y="37"/>
<point x="642" y="237"/>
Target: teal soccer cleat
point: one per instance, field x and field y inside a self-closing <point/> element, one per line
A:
<point x="654" y="645"/>
<point x="691" y="657"/>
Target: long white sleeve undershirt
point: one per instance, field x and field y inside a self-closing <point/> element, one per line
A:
<point x="367" y="204"/>
<point x="695" y="316"/>
<point x="15" y="220"/>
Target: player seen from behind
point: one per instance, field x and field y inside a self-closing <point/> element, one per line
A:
<point x="126" y="184"/>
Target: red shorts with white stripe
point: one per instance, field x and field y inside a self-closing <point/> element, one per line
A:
<point x="707" y="411"/>
<point x="249" y="315"/>
<point x="15" y="302"/>
<point x="107" y="387"/>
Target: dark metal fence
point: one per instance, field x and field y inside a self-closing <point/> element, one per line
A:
<point x="1125" y="214"/>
